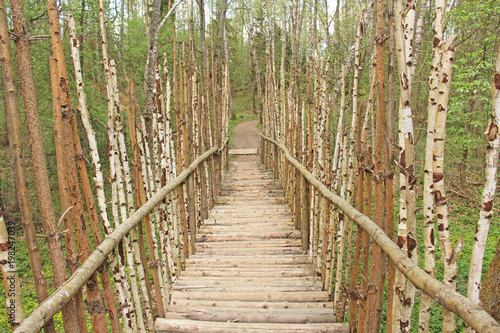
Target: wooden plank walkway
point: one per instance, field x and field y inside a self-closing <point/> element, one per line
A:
<point x="246" y="151"/>
<point x="249" y="273"/>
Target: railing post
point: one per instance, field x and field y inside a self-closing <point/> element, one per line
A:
<point x="191" y="213"/>
<point x="304" y="212"/>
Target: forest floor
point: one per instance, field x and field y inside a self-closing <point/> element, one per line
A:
<point x="245" y="136"/>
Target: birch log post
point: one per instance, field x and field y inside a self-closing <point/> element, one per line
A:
<point x="449" y="253"/>
<point x="404" y="293"/>
<point x="471" y="313"/>
<point x="116" y="262"/>
<point x="378" y="262"/>
<point x="82" y="106"/>
<point x="340" y="126"/>
<point x="428" y="195"/>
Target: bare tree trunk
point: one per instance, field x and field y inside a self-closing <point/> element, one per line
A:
<point x="365" y="259"/>
<point x="428" y="195"/>
<point x="70" y="147"/>
<point x="390" y="131"/>
<point x="71" y="249"/>
<point x="15" y="134"/>
<point x="449" y="254"/>
<point x="7" y="235"/>
<point x="483" y="224"/>
<point x="134" y="260"/>
<point x="117" y="264"/>
<point x="254" y="57"/>
<point x="98" y="175"/>
<point x="378" y="266"/>
<point x="349" y="181"/>
<point x="340" y="126"/>
<point x="41" y="174"/>
<point x="151" y="60"/>
<point x="404" y="291"/>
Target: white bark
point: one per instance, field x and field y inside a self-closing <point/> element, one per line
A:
<point x="82" y="107"/>
<point x="487" y="199"/>
<point x="340" y="126"/>
<point x="369" y="106"/>
<point x="153" y="251"/>
<point x="449" y="254"/>
<point x="133" y="246"/>
<point x="404" y="291"/>
<point x="428" y="195"/>
<point x="353" y="130"/>
<point x="119" y="274"/>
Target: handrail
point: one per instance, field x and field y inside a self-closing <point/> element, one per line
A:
<point x="54" y="303"/>
<point x="472" y="314"/>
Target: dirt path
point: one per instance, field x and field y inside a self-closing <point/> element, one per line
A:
<point x="246" y="135"/>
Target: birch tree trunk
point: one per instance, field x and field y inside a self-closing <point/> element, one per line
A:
<point x="117" y="266"/>
<point x="134" y="246"/>
<point x="428" y="193"/>
<point x="483" y="224"/>
<point x="340" y="124"/>
<point x="488" y="191"/>
<point x="404" y="291"/>
<point x="149" y="73"/>
<point x="449" y="254"/>
<point x="82" y="105"/>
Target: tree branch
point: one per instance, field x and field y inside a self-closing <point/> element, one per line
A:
<point x="174" y="6"/>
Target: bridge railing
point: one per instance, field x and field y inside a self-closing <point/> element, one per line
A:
<point x="108" y="248"/>
<point x="319" y="214"/>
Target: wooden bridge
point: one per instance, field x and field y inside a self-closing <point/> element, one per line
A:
<point x="249" y="272"/>
<point x="251" y="269"/>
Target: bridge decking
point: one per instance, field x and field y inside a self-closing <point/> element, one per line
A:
<point x="249" y="272"/>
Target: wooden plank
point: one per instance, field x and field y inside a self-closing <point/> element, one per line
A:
<point x="299" y="296"/>
<point x="264" y="315"/>
<point x="244" y="279"/>
<point x="248" y="151"/>
<point x="240" y="304"/>
<point x="187" y="325"/>
<point x="245" y="265"/>
<point x="299" y="256"/>
<point x="245" y="283"/>
<point x="237" y="287"/>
